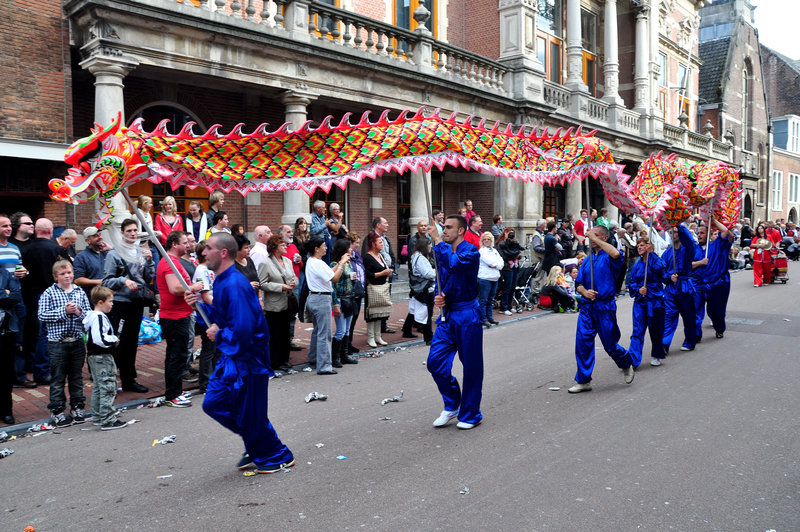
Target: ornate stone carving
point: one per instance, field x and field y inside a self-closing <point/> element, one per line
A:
<point x="426" y="96"/>
<point x="301" y="68"/>
<point x="100" y="29"/>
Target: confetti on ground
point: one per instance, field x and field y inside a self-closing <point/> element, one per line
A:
<point x="395" y="399"/>
<point x="554" y="388"/>
<point x="164" y="476"/>
<point x="341" y="458"/>
<point x="319" y="445"/>
<point x="249" y="473"/>
<point x="165" y="440"/>
<point x="464" y="491"/>
<point x="316" y="396"/>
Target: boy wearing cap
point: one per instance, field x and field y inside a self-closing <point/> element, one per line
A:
<point x="90" y="262"/>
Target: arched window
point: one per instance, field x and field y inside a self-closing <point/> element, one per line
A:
<point x="745" y="109"/>
<point x="178" y="117"/>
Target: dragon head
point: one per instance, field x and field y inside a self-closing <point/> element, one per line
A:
<point x="101" y="164"/>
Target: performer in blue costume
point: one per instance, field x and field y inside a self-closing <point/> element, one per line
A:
<point x="459" y="328"/>
<point x="648" y="303"/>
<point x="679" y="289"/>
<point x="237" y="390"/>
<point x="598" y="314"/>
<point x="717" y="280"/>
<point x="699" y="263"/>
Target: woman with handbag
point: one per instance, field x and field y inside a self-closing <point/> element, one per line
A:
<point x="319" y="277"/>
<point x="422" y="277"/>
<point x="343" y="307"/>
<point x="277" y="280"/>
<point x="359" y="285"/>
<point x="129" y="271"/>
<point x="379" y="302"/>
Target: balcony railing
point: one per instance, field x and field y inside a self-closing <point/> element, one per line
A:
<point x="556" y="95"/>
<point x="332" y="26"/>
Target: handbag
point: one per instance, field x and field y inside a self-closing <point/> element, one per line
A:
<point x="378" y="295"/>
<point x="143" y="295"/>
<point x="358" y="290"/>
<point x="347" y="306"/>
<point x="293" y="304"/>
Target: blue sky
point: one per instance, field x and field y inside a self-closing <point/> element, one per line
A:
<point x="777" y="23"/>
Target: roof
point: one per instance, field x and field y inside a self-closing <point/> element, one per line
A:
<point x="714" y="55"/>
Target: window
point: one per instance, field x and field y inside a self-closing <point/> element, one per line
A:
<point x="684" y="100"/>
<point x="776" y="201"/>
<point x="548" y="50"/>
<point x="590" y="71"/>
<point x="588" y="31"/>
<point x="745" y="107"/>
<point x="404" y="9"/>
<point x="661" y="99"/>
<point x="794" y="139"/>
<point x="794" y="188"/>
<point x="549" y="17"/>
<point x="555" y="200"/>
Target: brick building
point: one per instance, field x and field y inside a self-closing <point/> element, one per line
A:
<point x="627" y="69"/>
<point x="733" y="101"/>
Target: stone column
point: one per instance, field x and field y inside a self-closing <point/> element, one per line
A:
<point x="575" y="198"/>
<point x="574" y="48"/>
<point x="518" y="49"/>
<point x="109" y="101"/>
<point x="641" y="86"/>
<point x="295" y="202"/>
<point x="419" y="208"/>
<point x="611" y="67"/>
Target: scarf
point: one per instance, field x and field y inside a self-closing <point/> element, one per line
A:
<point x="129" y="250"/>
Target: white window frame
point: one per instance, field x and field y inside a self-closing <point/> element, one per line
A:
<point x="776" y="198"/>
<point x="794" y="136"/>
<point x="794" y="188"/>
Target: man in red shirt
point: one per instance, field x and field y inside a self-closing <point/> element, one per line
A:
<point x="294" y="255"/>
<point x="473" y="234"/>
<point x="773" y="234"/>
<point x="174" y="317"/>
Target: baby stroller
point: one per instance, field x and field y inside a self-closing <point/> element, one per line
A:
<point x="524" y="297"/>
<point x="780" y="271"/>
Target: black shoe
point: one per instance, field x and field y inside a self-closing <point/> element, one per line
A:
<point x="114" y="425"/>
<point x="135" y="387"/>
<point x="329" y="372"/>
<point x="294" y="347"/>
<point x="9" y="420"/>
<point x="494" y="322"/>
<point x="245" y="462"/>
<point x="410" y="335"/>
<point x="266" y="470"/>
<point x="720" y="335"/>
<point x="487" y="324"/>
<point x="43" y="382"/>
<point x="388" y="331"/>
<point x="350" y="359"/>
<point x="354" y="349"/>
<point x="25" y="384"/>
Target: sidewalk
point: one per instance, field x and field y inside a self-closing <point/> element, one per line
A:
<point x="30" y="405"/>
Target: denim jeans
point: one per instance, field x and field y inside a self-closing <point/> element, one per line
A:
<point x="342" y="325"/>
<point x="176" y="334"/>
<point x="486" y="291"/>
<point x="104" y="375"/>
<point x="66" y="363"/>
<point x="319" y="353"/>
<point x="509" y="283"/>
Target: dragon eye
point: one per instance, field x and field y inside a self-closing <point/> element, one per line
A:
<point x="86" y="167"/>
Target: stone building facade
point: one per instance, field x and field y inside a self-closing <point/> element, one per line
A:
<point x="628" y="69"/>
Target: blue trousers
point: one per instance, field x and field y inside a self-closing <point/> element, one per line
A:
<point x="461" y="332"/>
<point x="647" y="315"/>
<point x="509" y="283"/>
<point x="602" y="322"/>
<point x="700" y="309"/>
<point x="486" y="292"/>
<point x="238" y="401"/>
<point x="717" y="303"/>
<point x="682" y="304"/>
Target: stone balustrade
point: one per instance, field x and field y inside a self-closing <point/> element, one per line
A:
<point x="556" y="95"/>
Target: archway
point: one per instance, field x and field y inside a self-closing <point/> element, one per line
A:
<point x="747" y="211"/>
<point x="793" y="215"/>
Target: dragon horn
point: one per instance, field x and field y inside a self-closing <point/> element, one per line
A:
<point x="88" y="145"/>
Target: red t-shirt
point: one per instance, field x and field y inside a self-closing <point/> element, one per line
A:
<point x="291" y="251"/>
<point x="172" y="307"/>
<point x="579" y="227"/>
<point x="774" y="236"/>
<point x="473" y="238"/>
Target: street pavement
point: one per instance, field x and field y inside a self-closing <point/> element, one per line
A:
<point x="708" y="441"/>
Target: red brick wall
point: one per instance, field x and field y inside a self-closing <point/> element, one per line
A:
<point x="481" y="193"/>
<point x="782" y="83"/>
<point x="35" y="81"/>
<point x="475" y="26"/>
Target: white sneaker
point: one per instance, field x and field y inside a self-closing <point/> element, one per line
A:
<point x="578" y="388"/>
<point x="445" y="417"/>
<point x="629" y="373"/>
<point x="507" y="312"/>
<point x="463" y="425"/>
<point x="655" y="362"/>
